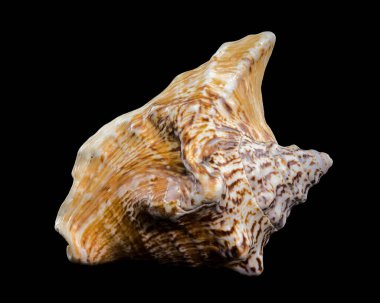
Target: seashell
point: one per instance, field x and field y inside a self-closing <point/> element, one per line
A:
<point x="193" y="177"/>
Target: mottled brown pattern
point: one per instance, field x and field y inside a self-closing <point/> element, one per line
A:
<point x="194" y="177"/>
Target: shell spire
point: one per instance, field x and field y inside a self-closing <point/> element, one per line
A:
<point x="193" y="177"/>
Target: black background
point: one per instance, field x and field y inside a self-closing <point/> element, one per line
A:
<point x="84" y="67"/>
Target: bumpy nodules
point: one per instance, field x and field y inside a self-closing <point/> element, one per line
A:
<point x="194" y="177"/>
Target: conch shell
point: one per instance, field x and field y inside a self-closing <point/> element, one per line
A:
<point x="193" y="177"/>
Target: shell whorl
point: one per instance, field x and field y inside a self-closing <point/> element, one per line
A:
<point x="194" y="177"/>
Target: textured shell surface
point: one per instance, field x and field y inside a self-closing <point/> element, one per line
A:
<point x="194" y="177"/>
